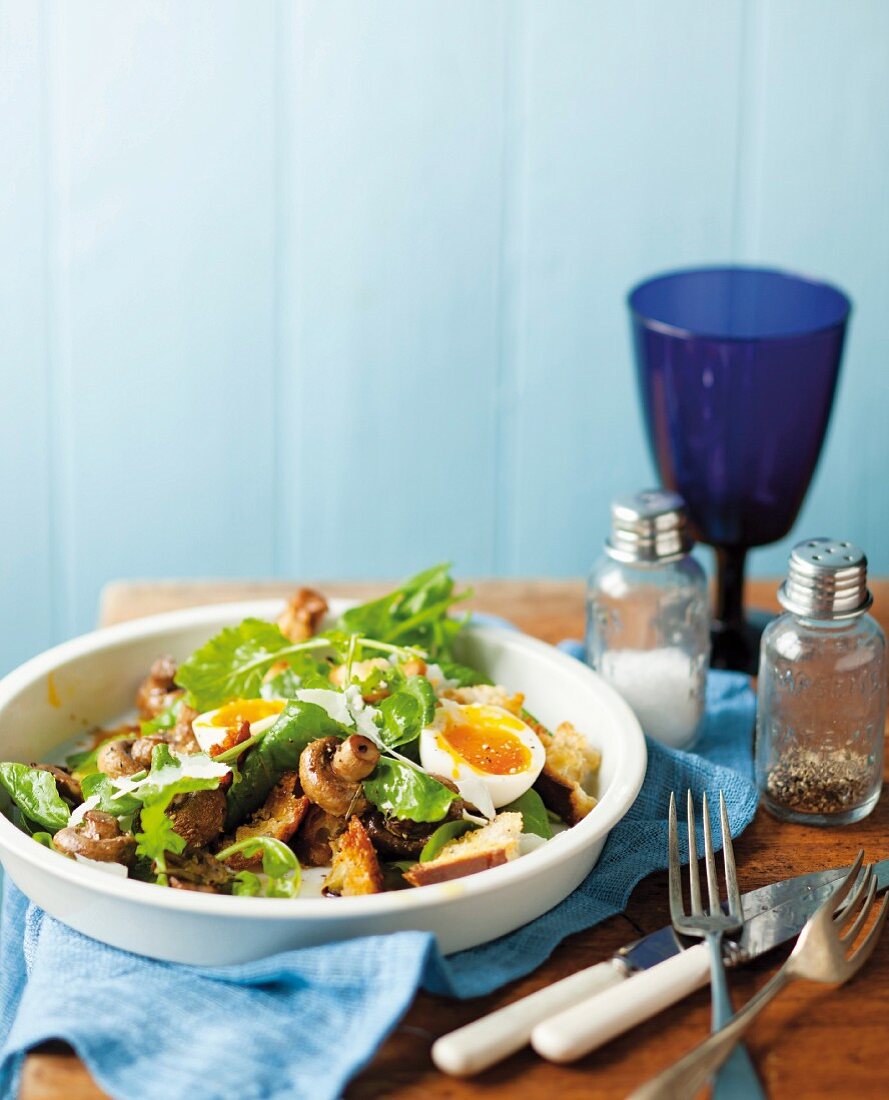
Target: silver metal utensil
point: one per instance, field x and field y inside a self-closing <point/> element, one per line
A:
<point x="737" y="1080"/>
<point x="825" y="952"/>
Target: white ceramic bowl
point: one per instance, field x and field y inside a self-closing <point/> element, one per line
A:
<point x="91" y="681"/>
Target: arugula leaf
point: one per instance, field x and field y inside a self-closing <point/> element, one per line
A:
<point x="406" y="711"/>
<point x="43" y="838"/>
<point x="233" y="663"/>
<point x="405" y="792"/>
<point x="414" y="614"/>
<point x="35" y="794"/>
<point x="168" y="777"/>
<point x="278" y="863"/>
<point x="163" y="721"/>
<point x="111" y="800"/>
<point x="535" y="818"/>
<point x="444" y="833"/>
<point x="278" y="751"/>
<point x="463" y="674"/>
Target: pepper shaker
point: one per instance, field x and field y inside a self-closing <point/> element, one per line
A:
<point x="648" y="616"/>
<point x="822" y="691"/>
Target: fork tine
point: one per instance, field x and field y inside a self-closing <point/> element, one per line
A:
<point x="728" y="859"/>
<point x="851" y="903"/>
<point x="848" y="937"/>
<point x="694" y="878"/>
<point x="673" y="866"/>
<point x="712" y="881"/>
<point x="848" y="882"/>
<point x="865" y="949"/>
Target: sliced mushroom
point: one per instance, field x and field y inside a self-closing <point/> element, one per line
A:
<point x="98" y="837"/>
<point x="325" y="767"/>
<point x="302" y="616"/>
<point x="67" y="786"/>
<point x="181" y="737"/>
<point x="198" y="871"/>
<point x="158" y="690"/>
<point x="115" y="759"/>
<point x="198" y="817"/>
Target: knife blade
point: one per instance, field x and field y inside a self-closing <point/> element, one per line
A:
<point x="773" y="915"/>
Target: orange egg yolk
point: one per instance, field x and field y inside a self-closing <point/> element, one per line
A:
<point x="245" y="710"/>
<point x="488" y="750"/>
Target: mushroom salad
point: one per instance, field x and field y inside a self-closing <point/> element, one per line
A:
<point x="361" y="753"/>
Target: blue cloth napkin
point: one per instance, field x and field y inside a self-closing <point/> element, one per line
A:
<point x="303" y="1023"/>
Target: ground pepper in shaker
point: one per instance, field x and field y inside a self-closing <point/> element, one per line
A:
<point x="648" y="616"/>
<point x="822" y="691"/>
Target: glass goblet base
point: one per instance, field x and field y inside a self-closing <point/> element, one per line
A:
<point x="735" y="645"/>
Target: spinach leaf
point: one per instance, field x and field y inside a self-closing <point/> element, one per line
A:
<point x="414" y="614"/>
<point x="278" y="751"/>
<point x="35" y="794"/>
<point x="43" y="838"/>
<point x="535" y="818"/>
<point x="406" y="711"/>
<point x="233" y="663"/>
<point x="405" y="792"/>
<point x="279" y="864"/>
<point x="444" y="833"/>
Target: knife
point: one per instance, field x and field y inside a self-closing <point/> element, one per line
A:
<point x="580" y="1013"/>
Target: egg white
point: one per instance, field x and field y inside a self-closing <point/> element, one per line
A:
<point x="441" y="758"/>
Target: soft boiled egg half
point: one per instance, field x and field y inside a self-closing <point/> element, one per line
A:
<point x="212" y="728"/>
<point x="484" y="743"/>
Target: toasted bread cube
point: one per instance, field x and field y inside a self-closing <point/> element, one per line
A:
<point x="493" y="844"/>
<point x="278" y="817"/>
<point x="571" y="766"/>
<point x="488" y="695"/>
<point x="356" y="869"/>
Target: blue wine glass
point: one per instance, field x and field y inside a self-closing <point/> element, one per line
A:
<point x="737" y="370"/>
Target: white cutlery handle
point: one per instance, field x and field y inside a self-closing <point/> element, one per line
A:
<point x="591" y="1023"/>
<point x="476" y="1046"/>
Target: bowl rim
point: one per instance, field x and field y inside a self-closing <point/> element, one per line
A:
<point x="565" y="846"/>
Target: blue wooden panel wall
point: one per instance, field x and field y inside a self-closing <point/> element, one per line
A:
<point x="337" y="288"/>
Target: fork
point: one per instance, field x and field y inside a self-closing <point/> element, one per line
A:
<point x="820" y="955"/>
<point x="737" y="1080"/>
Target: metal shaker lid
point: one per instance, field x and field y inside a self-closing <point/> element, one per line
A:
<point x="651" y="526"/>
<point x="826" y="579"/>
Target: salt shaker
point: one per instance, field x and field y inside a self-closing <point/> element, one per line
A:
<point x="648" y="616"/>
<point x="822" y="691"/>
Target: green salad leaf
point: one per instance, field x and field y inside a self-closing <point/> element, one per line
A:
<point x="406" y="711"/>
<point x="402" y="791"/>
<point x="277" y="752"/>
<point x="535" y="818"/>
<point x="279" y="864"/>
<point x="34" y="792"/>
<point x="416" y="614"/>
<point x="463" y="674"/>
<point x="111" y="800"/>
<point x="163" y="721"/>
<point x="233" y="663"/>
<point x="168" y="777"/>
<point x="442" y="835"/>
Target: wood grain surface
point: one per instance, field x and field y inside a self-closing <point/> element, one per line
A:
<point x="813" y="1042"/>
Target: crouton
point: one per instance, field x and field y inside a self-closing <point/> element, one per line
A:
<point x="279" y="817"/>
<point x="488" y="695"/>
<point x="571" y="764"/>
<point x="493" y="844"/>
<point x="356" y="869"/>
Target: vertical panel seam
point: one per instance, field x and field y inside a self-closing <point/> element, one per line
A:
<point x="505" y="469"/>
<point x="748" y="162"/>
<point x="58" y="550"/>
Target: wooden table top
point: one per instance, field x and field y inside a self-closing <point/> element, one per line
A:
<point x="813" y="1041"/>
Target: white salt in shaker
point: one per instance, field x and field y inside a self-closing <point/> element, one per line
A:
<point x="648" y="616"/>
